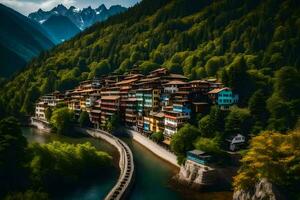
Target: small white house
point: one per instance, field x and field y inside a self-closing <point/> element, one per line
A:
<point x="236" y="141"/>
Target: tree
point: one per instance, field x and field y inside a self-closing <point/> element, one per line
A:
<point x="100" y="69"/>
<point x="157" y="136"/>
<point x="258" y="110"/>
<point x="114" y="123"/>
<point x="13" y="172"/>
<point x="183" y="140"/>
<point x="48" y="113"/>
<point x="84" y="119"/>
<point x="28" y="195"/>
<point x="57" y="164"/>
<point x="287" y="84"/>
<point x="213" y="64"/>
<point x="273" y="156"/>
<point x="238" y="121"/>
<point x="61" y="120"/>
<point x="209" y="145"/>
<point x="239" y="79"/>
<point x="212" y="124"/>
<point x="148" y="66"/>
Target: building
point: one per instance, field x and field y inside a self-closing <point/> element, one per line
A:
<point x="47" y="101"/>
<point x="223" y="97"/>
<point x="173" y="86"/>
<point x="131" y="109"/>
<point x="156" y="121"/>
<point x="236" y="142"/>
<point x="199" y="157"/>
<point x="173" y="122"/>
<point x="95" y="113"/>
<point x="110" y="105"/>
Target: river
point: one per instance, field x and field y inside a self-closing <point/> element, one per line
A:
<point x="152" y="179"/>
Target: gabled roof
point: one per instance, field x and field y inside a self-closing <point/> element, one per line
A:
<point x="127" y="81"/>
<point x="158" y="70"/>
<point x="175" y="83"/>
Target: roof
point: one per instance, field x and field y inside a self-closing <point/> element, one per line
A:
<point x="127" y="81"/>
<point x="157" y="114"/>
<point x="177" y="76"/>
<point x="197" y="152"/>
<point x="217" y="90"/>
<point x="158" y="70"/>
<point x="175" y="83"/>
<point x="198" y="81"/>
<point x="110" y="97"/>
<point x="149" y="79"/>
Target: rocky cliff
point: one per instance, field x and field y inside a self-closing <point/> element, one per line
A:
<point x="196" y="175"/>
<point x="264" y="190"/>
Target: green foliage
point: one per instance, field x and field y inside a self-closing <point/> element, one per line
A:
<point x="273" y="156"/>
<point x="148" y="66"/>
<point x="27" y="195"/>
<point x="99" y="69"/>
<point x="258" y="110"/>
<point x="157" y="136"/>
<point x="56" y="164"/>
<point x="209" y="145"/>
<point x="284" y="104"/>
<point x="213" y="64"/>
<point x="114" y="123"/>
<point x="84" y="119"/>
<point x="12" y="156"/>
<point x="213" y="124"/>
<point x="48" y="114"/>
<point x="238" y="121"/>
<point x="182" y="141"/>
<point x="287" y="84"/>
<point x="61" y="120"/>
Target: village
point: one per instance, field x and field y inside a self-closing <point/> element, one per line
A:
<point x="158" y="102"/>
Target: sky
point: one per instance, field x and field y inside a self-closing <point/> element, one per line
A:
<point x="27" y="6"/>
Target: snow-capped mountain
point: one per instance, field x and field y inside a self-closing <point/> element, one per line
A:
<point x="82" y="18"/>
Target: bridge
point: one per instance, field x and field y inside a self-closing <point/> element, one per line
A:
<point x="126" y="164"/>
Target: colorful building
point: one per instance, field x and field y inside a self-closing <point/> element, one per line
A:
<point x="223" y="97"/>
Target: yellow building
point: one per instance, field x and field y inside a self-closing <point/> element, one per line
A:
<point x="156" y="120"/>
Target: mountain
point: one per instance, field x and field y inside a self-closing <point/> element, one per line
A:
<point x="81" y="18"/>
<point x="251" y="46"/>
<point x="20" y="40"/>
<point x="60" y="27"/>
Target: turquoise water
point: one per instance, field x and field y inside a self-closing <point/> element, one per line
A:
<point x="153" y="178"/>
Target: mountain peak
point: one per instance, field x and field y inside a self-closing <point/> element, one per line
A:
<point x="82" y="18"/>
<point x="101" y="7"/>
<point x="60" y="8"/>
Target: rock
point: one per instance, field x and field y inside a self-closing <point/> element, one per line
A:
<point x="196" y="175"/>
<point x="263" y="190"/>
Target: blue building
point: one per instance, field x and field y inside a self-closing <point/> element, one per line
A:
<point x="223" y="97"/>
<point x="199" y="157"/>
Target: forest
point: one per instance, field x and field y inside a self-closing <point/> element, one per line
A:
<point x="251" y="46"/>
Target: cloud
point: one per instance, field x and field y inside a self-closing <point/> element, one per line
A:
<point x="27" y="6"/>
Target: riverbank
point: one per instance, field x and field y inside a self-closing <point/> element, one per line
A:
<point x="154" y="147"/>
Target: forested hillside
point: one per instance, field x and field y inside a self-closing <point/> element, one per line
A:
<point x="252" y="46"/>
